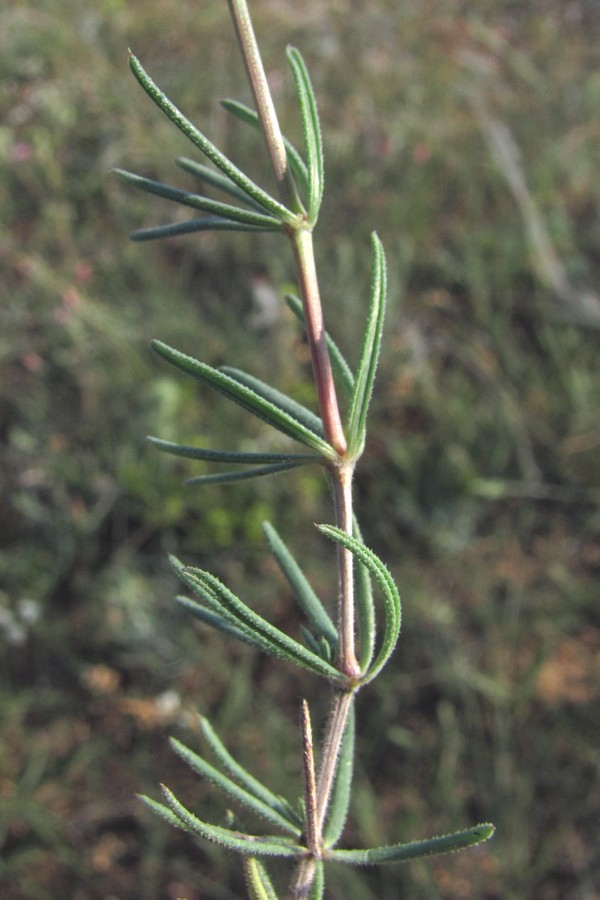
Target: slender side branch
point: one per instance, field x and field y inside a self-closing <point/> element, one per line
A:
<point x="302" y="245"/>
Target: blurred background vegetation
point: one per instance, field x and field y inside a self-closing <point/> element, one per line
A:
<point x="467" y="134"/>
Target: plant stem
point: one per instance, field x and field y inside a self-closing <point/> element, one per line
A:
<point x="263" y="100"/>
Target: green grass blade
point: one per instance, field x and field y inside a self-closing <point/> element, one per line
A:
<point x="340" y="367"/>
<point x="233" y="790"/>
<point x="216" y="180"/>
<point x="275" y="641"/>
<point x="297" y="410"/>
<point x="196" y="201"/>
<point x="391" y="598"/>
<point x="247" y="844"/>
<point x="244" y="778"/>
<point x="367" y="365"/>
<point x="245" y="397"/>
<point x="305" y="595"/>
<point x="295" y="161"/>
<point x="446" y="843"/>
<point x="365" y="610"/>
<point x="312" y="132"/>
<point x="342" y="788"/>
<point x="233" y="456"/>
<point x="207" y="148"/>
<point x="229" y="477"/>
<point x="260" y="886"/>
<point x="209" y="223"/>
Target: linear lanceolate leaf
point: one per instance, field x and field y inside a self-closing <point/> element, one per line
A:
<point x="312" y="131"/>
<point x="295" y="161"/>
<point x="248" y="844"/>
<point x="199" y="140"/>
<point x="217" y="180"/>
<point x="338" y="363"/>
<point x="317" y="888"/>
<point x="274" y="640"/>
<point x="216" y="620"/>
<point x="369" y="355"/>
<point x="365" y="609"/>
<point x="308" y="600"/>
<point x="339" y="804"/>
<point x="402" y="852"/>
<point x="233" y="790"/>
<point x="297" y="410"/>
<point x="256" y="472"/>
<point x="246" y="398"/>
<point x="260" y="886"/>
<point x="196" y="201"/>
<point x="244" y="778"/>
<point x="229" y="456"/>
<point x="391" y="598"/>
<point x="191" y="226"/>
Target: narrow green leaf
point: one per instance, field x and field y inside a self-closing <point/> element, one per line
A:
<point x="299" y="412"/>
<point x="305" y="595"/>
<point x="317" y="888"/>
<point x="402" y="852"/>
<point x="260" y="886"/>
<point x="342" y="788"/>
<point x="217" y="180"/>
<point x="209" y="223"/>
<point x="245" y="779"/>
<point x="369" y="355"/>
<point x="196" y="201"/>
<point x="216" y="621"/>
<point x="227" y="456"/>
<point x="389" y="590"/>
<point x="228" y="477"/>
<point x="246" y="398"/>
<point x="248" y="844"/>
<point x="233" y="790"/>
<point x="205" y="146"/>
<point x="312" y="131"/>
<point x="338" y="363"/>
<point x="163" y="811"/>
<point x="295" y="161"/>
<point x="365" y="610"/>
<point x="275" y="641"/>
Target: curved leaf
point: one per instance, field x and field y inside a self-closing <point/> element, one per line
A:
<point x="446" y="843"/>
<point x="391" y="598"/>
<point x="247" y="844"/>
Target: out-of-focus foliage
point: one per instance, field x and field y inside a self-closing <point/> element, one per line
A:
<point x="480" y="484"/>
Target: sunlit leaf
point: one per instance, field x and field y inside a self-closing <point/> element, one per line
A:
<point x="367" y="365"/>
<point x="199" y="140"/>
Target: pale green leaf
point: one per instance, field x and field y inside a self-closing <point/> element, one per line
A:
<point x="446" y="843"/>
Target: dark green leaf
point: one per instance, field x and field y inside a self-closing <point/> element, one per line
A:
<point x="295" y="161"/>
<point x="217" y="621"/>
<point x="342" y="787"/>
<point x="248" y="844"/>
<point x="317" y="888"/>
<point x="196" y="201"/>
<point x="217" y="180"/>
<point x="233" y="790"/>
<point x="244" y="778"/>
<point x="389" y="590"/>
<point x="246" y="398"/>
<point x="298" y="412"/>
<point x="257" y="472"/>
<point x="209" y="223"/>
<point x="338" y="363"/>
<point x="312" y="132"/>
<point x="365" y="610"/>
<point x="227" y="456"/>
<point x="402" y="852"/>
<point x="365" y="375"/>
<point x="199" y="140"/>
<point x="308" y="600"/>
